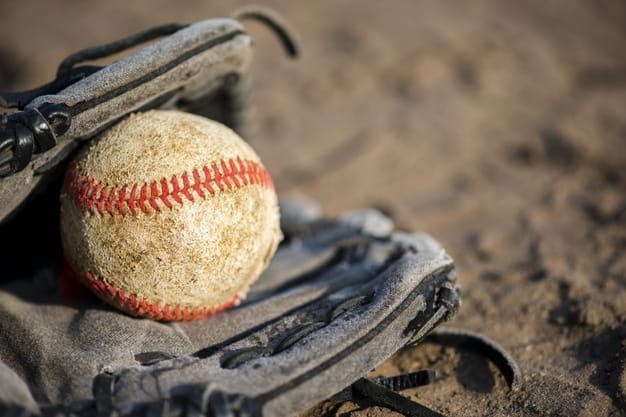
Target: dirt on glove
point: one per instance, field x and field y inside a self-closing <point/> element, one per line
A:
<point x="497" y="127"/>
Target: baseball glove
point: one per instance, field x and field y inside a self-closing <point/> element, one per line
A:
<point x="339" y="297"/>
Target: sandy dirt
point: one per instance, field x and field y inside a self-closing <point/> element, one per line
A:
<point x="499" y="127"/>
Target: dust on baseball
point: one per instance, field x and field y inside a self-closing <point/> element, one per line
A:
<point x="169" y="215"/>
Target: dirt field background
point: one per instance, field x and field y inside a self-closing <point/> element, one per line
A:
<point x="499" y="127"/>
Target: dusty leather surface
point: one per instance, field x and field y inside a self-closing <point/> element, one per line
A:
<point x="303" y="334"/>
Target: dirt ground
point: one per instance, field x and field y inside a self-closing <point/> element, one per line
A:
<point x="498" y="127"/>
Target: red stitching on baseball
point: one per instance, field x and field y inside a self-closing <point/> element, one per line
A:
<point x="119" y="204"/>
<point x="109" y="203"/>
<point x="153" y="195"/>
<point x="93" y="193"/>
<point x="131" y="199"/>
<point x="197" y="184"/>
<point x="217" y="177"/>
<point x="142" y="307"/>
<point x="143" y="196"/>
<point x="96" y="197"/>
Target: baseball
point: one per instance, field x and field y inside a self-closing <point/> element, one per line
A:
<point x="169" y="215"/>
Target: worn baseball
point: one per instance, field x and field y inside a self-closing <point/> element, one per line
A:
<point x="169" y="215"/>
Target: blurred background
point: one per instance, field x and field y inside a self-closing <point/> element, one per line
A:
<point x="498" y="127"/>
